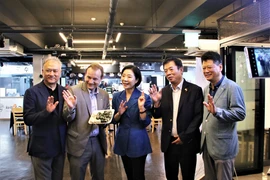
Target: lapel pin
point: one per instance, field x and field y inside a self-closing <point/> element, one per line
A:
<point x="186" y="89"/>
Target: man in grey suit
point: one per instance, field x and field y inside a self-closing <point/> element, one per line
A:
<point x="224" y="106"/>
<point x="86" y="143"/>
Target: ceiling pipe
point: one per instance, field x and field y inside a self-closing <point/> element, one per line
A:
<point x="98" y="27"/>
<point x="113" y="5"/>
<point x="88" y="31"/>
<point x="85" y="29"/>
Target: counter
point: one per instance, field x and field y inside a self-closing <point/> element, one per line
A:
<point x="6" y="104"/>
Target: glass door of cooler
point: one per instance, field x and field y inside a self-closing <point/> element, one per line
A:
<point x="250" y="131"/>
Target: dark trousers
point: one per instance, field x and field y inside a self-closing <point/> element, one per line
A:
<point x="173" y="157"/>
<point x="134" y="167"/>
<point x="48" y="168"/>
<point x="94" y="156"/>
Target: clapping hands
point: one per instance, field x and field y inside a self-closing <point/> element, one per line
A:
<point x="155" y="94"/>
<point x="122" y="107"/>
<point x="70" y="99"/>
<point x="50" y="106"/>
<point x="141" y="100"/>
<point x="210" y="105"/>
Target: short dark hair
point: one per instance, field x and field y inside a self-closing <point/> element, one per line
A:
<point x="96" y="66"/>
<point x="211" y="55"/>
<point x="177" y="61"/>
<point x="136" y="72"/>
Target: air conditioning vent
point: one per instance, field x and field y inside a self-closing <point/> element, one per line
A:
<point x="11" y="50"/>
<point x="204" y="45"/>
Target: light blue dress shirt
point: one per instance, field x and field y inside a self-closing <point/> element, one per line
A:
<point x="93" y="99"/>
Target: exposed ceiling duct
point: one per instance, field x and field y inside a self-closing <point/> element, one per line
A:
<point x="108" y="35"/>
<point x="240" y="26"/>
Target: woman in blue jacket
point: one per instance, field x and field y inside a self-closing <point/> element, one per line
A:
<point x="133" y="113"/>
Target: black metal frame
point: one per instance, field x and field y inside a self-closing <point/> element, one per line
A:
<point x="229" y="59"/>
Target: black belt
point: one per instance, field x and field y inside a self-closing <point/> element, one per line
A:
<point x="92" y="136"/>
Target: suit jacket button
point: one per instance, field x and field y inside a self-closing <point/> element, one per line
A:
<point x="204" y="132"/>
<point x="170" y="131"/>
<point x="171" y="120"/>
<point x="206" y="120"/>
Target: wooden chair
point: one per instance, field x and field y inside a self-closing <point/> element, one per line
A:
<point x="155" y="122"/>
<point x="18" y="120"/>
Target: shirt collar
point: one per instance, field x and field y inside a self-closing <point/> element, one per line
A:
<point x="95" y="91"/>
<point x="179" y="86"/>
<point x="50" y="90"/>
<point x="218" y="84"/>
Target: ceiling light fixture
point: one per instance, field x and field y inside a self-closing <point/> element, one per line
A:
<point x="70" y="41"/>
<point x="63" y="37"/>
<point x="93" y="18"/>
<point x="80" y="75"/>
<point x="118" y="37"/>
<point x="190" y="65"/>
<point x="72" y="62"/>
<point x="89" y="41"/>
<point x="104" y="56"/>
<point x="189" y="61"/>
<point x="78" y="41"/>
<point x="80" y="62"/>
<point x="88" y="64"/>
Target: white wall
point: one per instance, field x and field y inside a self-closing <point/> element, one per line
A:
<point x="200" y="79"/>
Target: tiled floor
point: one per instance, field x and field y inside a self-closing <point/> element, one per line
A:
<point x="15" y="163"/>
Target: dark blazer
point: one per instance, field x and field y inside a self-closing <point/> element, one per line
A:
<point x="131" y="136"/>
<point x="78" y="127"/>
<point x="48" y="129"/>
<point x="190" y="114"/>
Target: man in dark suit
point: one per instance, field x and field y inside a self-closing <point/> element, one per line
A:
<point x="43" y="105"/>
<point x="180" y="105"/>
<point x="86" y="143"/>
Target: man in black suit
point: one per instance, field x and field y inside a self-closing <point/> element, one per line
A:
<point x="180" y="105"/>
<point x="43" y="105"/>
